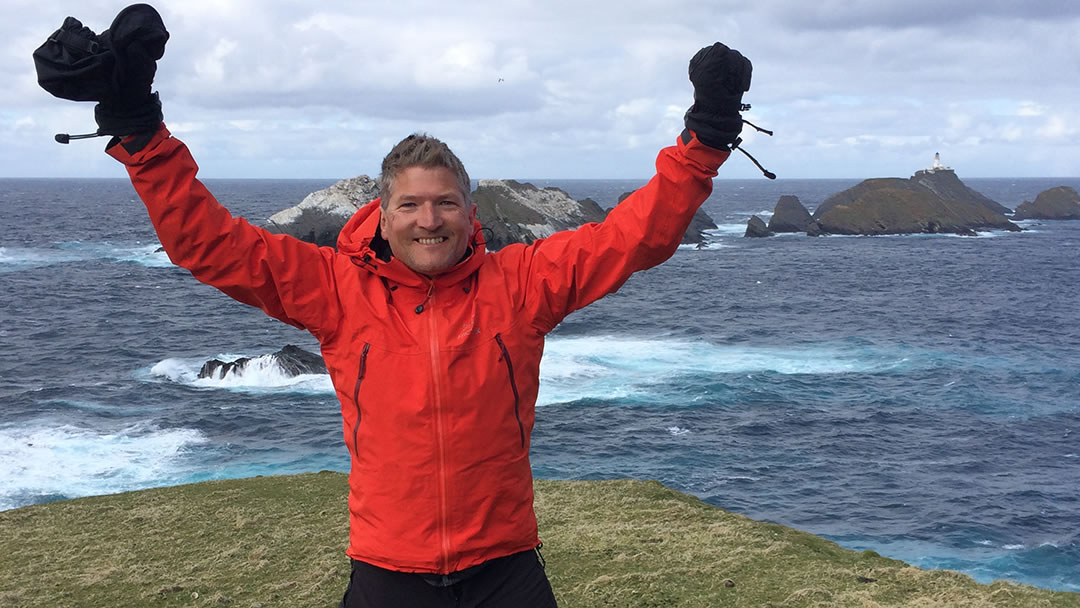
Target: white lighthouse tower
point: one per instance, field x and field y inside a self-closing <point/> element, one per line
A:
<point x="937" y="166"/>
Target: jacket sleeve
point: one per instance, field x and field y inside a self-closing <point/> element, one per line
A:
<point x="287" y="278"/>
<point x="574" y="268"/>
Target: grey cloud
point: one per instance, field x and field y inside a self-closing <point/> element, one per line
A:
<point x="934" y="14"/>
<point x="589" y="89"/>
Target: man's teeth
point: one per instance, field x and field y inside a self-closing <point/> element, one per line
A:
<point x="432" y="241"/>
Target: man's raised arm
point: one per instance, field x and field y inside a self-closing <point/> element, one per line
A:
<point x="575" y="268"/>
<point x="288" y="279"/>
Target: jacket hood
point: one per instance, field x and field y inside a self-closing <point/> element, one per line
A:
<point x="361" y="240"/>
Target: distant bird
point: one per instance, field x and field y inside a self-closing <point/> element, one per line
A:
<point x="500" y="80"/>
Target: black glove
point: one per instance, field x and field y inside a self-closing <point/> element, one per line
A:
<point x="115" y="68"/>
<point x="720" y="77"/>
<point x="75" y="63"/>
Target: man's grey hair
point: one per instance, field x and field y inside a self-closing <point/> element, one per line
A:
<point x="421" y="150"/>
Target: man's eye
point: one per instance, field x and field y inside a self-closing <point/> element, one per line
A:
<point x="449" y="202"/>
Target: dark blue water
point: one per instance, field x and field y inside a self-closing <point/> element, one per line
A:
<point x="919" y="396"/>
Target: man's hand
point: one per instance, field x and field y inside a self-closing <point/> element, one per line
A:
<point x="137" y="37"/>
<point x="720" y="77"/>
<point x="115" y="68"/>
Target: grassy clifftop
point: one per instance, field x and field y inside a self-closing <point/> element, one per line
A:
<point x="279" y="541"/>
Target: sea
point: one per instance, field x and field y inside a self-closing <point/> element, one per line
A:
<point x="918" y="396"/>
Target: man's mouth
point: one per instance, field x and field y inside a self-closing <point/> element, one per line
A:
<point x="431" y="241"/>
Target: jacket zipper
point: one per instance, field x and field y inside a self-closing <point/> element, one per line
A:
<point x="433" y="345"/>
<point x="356" y="395"/>
<point x="513" y="387"/>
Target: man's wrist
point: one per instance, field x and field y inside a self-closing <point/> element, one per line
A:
<point x="119" y="120"/>
<point x="715" y="131"/>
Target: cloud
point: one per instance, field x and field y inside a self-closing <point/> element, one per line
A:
<point x="561" y="89"/>
<point x="933" y="14"/>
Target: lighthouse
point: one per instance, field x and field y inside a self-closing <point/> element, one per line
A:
<point x="937" y="166"/>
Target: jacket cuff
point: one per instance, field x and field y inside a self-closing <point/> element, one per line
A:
<point x="692" y="148"/>
<point x="133" y="149"/>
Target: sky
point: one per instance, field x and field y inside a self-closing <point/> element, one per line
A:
<point x="561" y="90"/>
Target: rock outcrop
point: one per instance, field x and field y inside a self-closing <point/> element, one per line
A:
<point x="512" y="212"/>
<point x="322" y="214"/>
<point x="695" y="233"/>
<point x="1061" y="203"/>
<point x="292" y="360"/>
<point x="941" y="183"/>
<point x="756" y="227"/>
<point x="947" y="186"/>
<point x="790" y="216"/>
<point x="910" y="206"/>
<point x="890" y="206"/>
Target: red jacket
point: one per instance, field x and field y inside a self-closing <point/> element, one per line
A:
<point x="437" y="378"/>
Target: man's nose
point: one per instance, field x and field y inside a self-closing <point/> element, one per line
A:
<point x="429" y="217"/>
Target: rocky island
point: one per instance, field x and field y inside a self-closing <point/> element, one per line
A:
<point x="514" y="212"/>
<point x="290" y="361"/>
<point x="322" y="214"/>
<point x="1061" y="203"/>
<point x="510" y="211"/>
<point x="933" y="201"/>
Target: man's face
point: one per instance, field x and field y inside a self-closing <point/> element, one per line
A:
<point x="427" y="220"/>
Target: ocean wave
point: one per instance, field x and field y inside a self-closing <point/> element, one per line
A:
<point x="708" y="245"/>
<point x="46" y="460"/>
<point x="261" y="374"/>
<point x="150" y="256"/>
<point x="722" y="230"/>
<point x="628" y="369"/>
<point x="70" y="252"/>
<point x="20" y="258"/>
<point x="764" y="214"/>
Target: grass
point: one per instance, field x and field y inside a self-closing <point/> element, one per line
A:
<point x="279" y="541"/>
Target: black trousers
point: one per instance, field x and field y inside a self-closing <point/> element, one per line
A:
<point x="514" y="581"/>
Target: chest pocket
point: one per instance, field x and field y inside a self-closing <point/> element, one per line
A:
<point x="361" y="372"/>
<point x="505" y="357"/>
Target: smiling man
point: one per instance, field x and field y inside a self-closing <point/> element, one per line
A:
<point x="427" y="215"/>
<point x="432" y="342"/>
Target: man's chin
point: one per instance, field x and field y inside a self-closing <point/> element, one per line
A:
<point x="430" y="267"/>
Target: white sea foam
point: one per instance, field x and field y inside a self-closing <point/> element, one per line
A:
<point x="764" y="214"/>
<point x="145" y="255"/>
<point x="728" y="230"/>
<point x="261" y="374"/>
<point x="705" y="247"/>
<point x="43" y="459"/>
<point x="610" y="367"/>
<point x="677" y="430"/>
<point x="18" y="258"/>
<point x="978" y="234"/>
<point x="712" y="241"/>
<point x="1012" y="547"/>
<point x="597" y="367"/>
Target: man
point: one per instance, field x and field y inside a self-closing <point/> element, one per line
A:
<point x="433" y="343"/>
